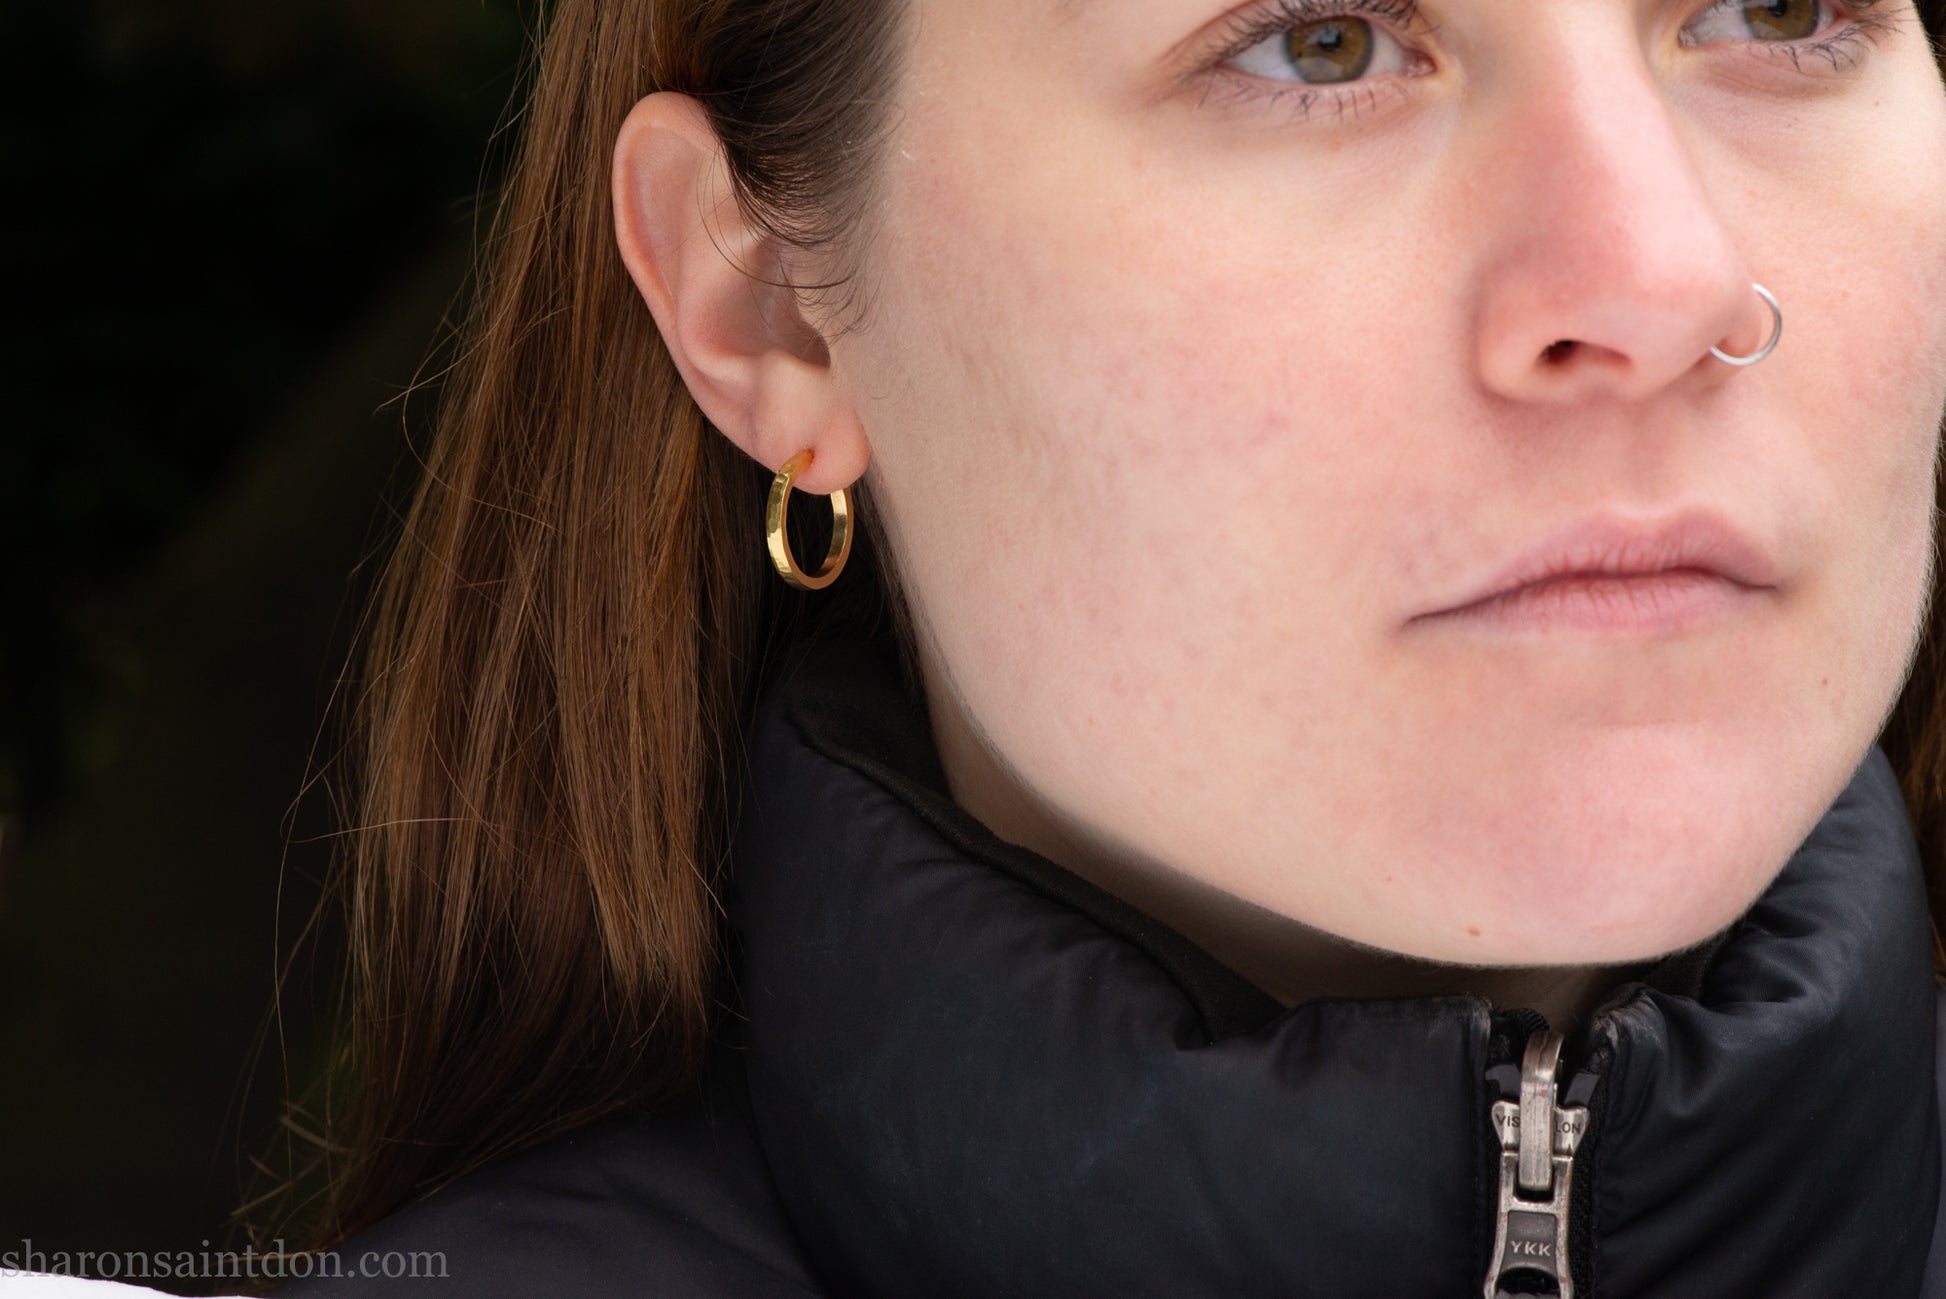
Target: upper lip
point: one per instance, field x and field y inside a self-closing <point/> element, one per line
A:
<point x="1614" y="546"/>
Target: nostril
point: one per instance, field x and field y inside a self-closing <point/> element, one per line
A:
<point x="1558" y="352"/>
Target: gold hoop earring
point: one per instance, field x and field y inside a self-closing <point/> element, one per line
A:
<point x="780" y="546"/>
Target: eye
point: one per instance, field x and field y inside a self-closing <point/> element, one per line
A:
<point x="1330" y="51"/>
<point x="1769" y="21"/>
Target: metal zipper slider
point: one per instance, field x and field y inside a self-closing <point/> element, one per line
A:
<point x="1537" y="1144"/>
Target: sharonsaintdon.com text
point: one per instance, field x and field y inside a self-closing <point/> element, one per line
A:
<point x="218" y="1264"/>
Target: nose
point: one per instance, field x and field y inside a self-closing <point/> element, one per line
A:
<point x="1608" y="271"/>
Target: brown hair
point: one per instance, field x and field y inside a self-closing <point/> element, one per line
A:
<point x="561" y="648"/>
<point x="566" y="641"/>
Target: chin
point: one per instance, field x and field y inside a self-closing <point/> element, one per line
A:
<point x="1623" y="852"/>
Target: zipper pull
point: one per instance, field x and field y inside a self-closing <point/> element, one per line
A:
<point x="1537" y="1143"/>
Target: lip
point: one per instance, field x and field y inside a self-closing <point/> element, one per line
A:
<point x="1611" y="573"/>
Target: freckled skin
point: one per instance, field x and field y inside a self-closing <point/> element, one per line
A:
<point x="1182" y="414"/>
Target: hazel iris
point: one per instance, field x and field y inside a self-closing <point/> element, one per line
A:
<point x="1782" y="20"/>
<point x="1336" y="49"/>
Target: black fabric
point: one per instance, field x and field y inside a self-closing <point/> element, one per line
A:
<point x="674" y="1202"/>
<point x="958" y="1069"/>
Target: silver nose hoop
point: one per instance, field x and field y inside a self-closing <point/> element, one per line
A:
<point x="1776" y="332"/>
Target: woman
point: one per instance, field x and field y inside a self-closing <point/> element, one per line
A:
<point x="1342" y="753"/>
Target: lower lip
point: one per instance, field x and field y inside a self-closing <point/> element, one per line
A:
<point x="1672" y="600"/>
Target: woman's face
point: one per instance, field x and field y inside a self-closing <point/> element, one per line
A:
<point x="1206" y="386"/>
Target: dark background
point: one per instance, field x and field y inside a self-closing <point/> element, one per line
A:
<point x="231" y="234"/>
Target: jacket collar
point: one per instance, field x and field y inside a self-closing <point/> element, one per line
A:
<point x="975" y="1073"/>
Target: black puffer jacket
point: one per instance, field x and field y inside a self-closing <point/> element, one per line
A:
<point x="960" y="1070"/>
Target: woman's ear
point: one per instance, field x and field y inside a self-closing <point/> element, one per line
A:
<point x="756" y="367"/>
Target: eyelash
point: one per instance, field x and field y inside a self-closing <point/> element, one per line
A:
<point x="1857" y="26"/>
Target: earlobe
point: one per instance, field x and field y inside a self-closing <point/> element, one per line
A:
<point x="713" y="282"/>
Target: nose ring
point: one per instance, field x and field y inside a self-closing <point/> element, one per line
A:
<point x="1776" y="332"/>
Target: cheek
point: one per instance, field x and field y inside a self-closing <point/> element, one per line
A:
<point x="1115" y="502"/>
<point x="1866" y="387"/>
<point x="1140" y="428"/>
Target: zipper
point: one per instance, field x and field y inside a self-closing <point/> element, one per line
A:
<point x="1540" y="1127"/>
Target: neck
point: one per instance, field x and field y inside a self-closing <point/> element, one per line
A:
<point x="1288" y="959"/>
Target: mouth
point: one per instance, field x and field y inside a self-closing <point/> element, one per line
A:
<point x="1612" y="575"/>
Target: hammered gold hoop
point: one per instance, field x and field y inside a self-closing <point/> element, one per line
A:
<point x="780" y="546"/>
